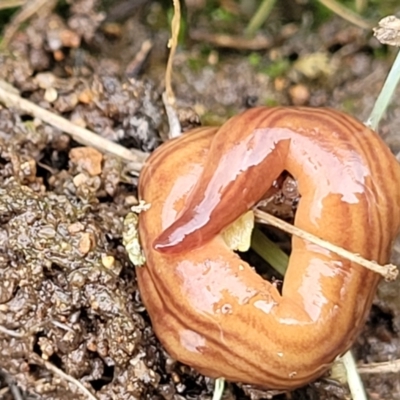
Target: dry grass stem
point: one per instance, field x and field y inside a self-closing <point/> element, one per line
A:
<point x="168" y="96"/>
<point x="219" y="387"/>
<point x="25" y="333"/>
<point x="260" y="16"/>
<point x="346" y="13"/>
<point x="4" y="4"/>
<point x="388" y="271"/>
<point x="172" y="44"/>
<point x="49" y="365"/>
<point x="380" y="368"/>
<point x="15" y="391"/>
<point x="64" y="376"/>
<point x="361" y="5"/>
<point x="175" y="129"/>
<point x="354" y="381"/>
<point x="9" y="332"/>
<point x="136" y="64"/>
<point x="29" y="8"/>
<point x="259" y="42"/>
<point x="81" y="135"/>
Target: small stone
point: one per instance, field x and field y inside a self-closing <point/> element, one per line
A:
<point x="108" y="261"/>
<point x="86" y="96"/>
<point x="85" y="243"/>
<point x="75" y="228"/>
<point x="45" y="80"/>
<point x="131" y="200"/>
<point x="50" y="95"/>
<point x="299" y="94"/>
<point x="80" y="179"/>
<point x="87" y="159"/>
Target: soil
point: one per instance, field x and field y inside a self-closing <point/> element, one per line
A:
<point x="68" y="293"/>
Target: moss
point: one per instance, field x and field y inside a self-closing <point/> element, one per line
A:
<point x="270" y="102"/>
<point x="212" y="119"/>
<point x="221" y="15"/>
<point x="349" y="106"/>
<point x="196" y="64"/>
<point x="254" y="59"/>
<point x="381" y="53"/>
<point x="277" y="68"/>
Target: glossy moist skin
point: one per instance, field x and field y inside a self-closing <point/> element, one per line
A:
<point x="209" y="308"/>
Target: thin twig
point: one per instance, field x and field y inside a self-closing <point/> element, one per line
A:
<point x="168" y="96"/>
<point x="65" y="376"/>
<point x="81" y="135"/>
<point x="51" y="367"/>
<point x="388" y="271"/>
<point x="61" y="325"/>
<point x="135" y="66"/>
<point x="30" y="8"/>
<point x="33" y="329"/>
<point x="346" y="13"/>
<point x="175" y="128"/>
<point x="11" y="3"/>
<point x="380" y="368"/>
<point x="172" y="44"/>
<point x="259" y="42"/>
<point x="11" y="333"/>
<point x="15" y="391"/>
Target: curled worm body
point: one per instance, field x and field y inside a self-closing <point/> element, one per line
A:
<point x="208" y="307"/>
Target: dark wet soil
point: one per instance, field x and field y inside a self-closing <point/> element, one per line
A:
<point x="68" y="294"/>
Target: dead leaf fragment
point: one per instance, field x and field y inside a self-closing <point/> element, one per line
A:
<point x="388" y="31"/>
<point x="238" y="234"/>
